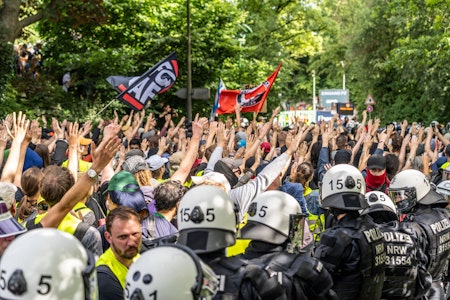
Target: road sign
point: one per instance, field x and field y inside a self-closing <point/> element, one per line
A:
<point x="369" y="108"/>
<point x="369" y="100"/>
<point x="197" y="93"/>
<point x="345" y="109"/>
<point x="328" y="97"/>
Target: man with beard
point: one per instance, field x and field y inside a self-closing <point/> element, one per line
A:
<point x="123" y="232"/>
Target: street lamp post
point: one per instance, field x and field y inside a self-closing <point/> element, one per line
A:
<point x="314" y="90"/>
<point x="189" y="66"/>
<point x="343" y="75"/>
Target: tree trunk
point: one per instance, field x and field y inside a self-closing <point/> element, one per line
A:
<point x="9" y="20"/>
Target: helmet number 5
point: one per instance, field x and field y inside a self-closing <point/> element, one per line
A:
<point x="44" y="285"/>
<point x="2" y="280"/>
<point x="339" y="184"/>
<point x="210" y="214"/>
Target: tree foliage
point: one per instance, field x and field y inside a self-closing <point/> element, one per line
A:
<point x="395" y="50"/>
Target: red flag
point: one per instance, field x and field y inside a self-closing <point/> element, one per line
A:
<point x="251" y="100"/>
<point x="155" y="81"/>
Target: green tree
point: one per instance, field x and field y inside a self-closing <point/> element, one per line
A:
<point x="395" y="50"/>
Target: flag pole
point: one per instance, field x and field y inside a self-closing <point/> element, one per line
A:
<point x="104" y="107"/>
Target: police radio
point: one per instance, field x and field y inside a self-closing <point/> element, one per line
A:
<point x="296" y="231"/>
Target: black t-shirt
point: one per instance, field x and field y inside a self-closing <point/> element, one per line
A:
<point x="109" y="287"/>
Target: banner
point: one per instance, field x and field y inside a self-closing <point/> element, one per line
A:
<point x="220" y="88"/>
<point x="136" y="92"/>
<point x="251" y="100"/>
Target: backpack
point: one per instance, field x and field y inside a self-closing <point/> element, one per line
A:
<point x="93" y="204"/>
<point x="149" y="239"/>
<point x="302" y="276"/>
<point x="233" y="271"/>
<point x="149" y="244"/>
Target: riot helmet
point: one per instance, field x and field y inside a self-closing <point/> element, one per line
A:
<point x="270" y="217"/>
<point x="410" y="187"/>
<point x="343" y="187"/>
<point x="47" y="263"/>
<point x="170" y="272"/>
<point x="207" y="219"/>
<point x="381" y="207"/>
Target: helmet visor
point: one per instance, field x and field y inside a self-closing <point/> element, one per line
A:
<point x="404" y="199"/>
<point x="446" y="175"/>
<point x="210" y="284"/>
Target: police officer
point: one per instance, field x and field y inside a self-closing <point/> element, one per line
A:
<point x="47" y="263"/>
<point x="207" y="223"/>
<point x="352" y="249"/>
<point x="406" y="276"/>
<point x="275" y="225"/>
<point x="420" y="204"/>
<point x="170" y="272"/>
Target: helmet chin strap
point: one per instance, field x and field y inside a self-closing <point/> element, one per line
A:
<point x="337" y="213"/>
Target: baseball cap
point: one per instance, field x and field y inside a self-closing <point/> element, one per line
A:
<point x="175" y="160"/>
<point x="148" y="134"/>
<point x="8" y="225"/>
<point x="124" y="190"/>
<point x="8" y="193"/>
<point x="241" y="143"/>
<point x="227" y="171"/>
<point x="262" y="118"/>
<point x="241" y="135"/>
<point x="232" y="163"/>
<point x="134" y="152"/>
<point x="376" y="161"/>
<point x="84" y="141"/>
<point x="155" y="162"/>
<point x="122" y="181"/>
<point x="212" y="178"/>
<point x="134" y="164"/>
<point x="265" y="146"/>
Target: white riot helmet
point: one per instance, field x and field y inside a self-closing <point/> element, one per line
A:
<point x="269" y="217"/>
<point x="47" y="264"/>
<point x="206" y="219"/>
<point x="410" y="187"/>
<point x="170" y="272"/>
<point x="343" y="187"/>
<point x="381" y="207"/>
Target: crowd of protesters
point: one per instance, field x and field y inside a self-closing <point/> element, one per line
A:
<point x="119" y="190"/>
<point x="28" y="59"/>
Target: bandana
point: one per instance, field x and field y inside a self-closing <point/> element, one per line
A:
<point x="377" y="183"/>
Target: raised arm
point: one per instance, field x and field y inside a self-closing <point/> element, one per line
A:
<point x="72" y="139"/>
<point x="101" y="157"/>
<point x="20" y="125"/>
<point x="191" y="153"/>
